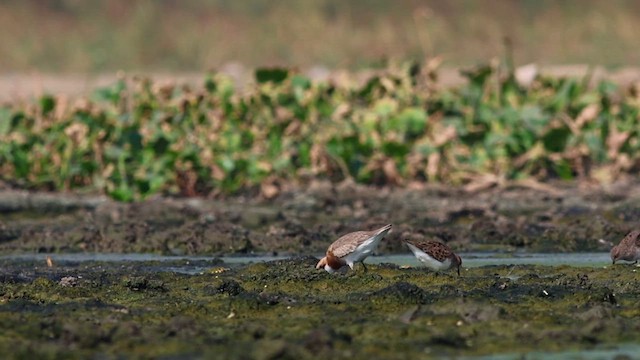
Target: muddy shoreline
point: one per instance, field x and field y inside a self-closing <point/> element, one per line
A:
<point x="288" y="309"/>
<point x="304" y="220"/>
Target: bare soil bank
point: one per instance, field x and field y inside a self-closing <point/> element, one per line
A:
<point x="538" y="218"/>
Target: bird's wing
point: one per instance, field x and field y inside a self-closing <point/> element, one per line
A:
<point x="349" y="242"/>
<point x="632" y="238"/>
<point x="435" y="249"/>
<point x="637" y="237"/>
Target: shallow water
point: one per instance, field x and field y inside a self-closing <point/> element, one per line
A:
<point x="469" y="259"/>
<point x="484" y="259"/>
<point x="194" y="265"/>
<point x="626" y="351"/>
<point x="106" y="257"/>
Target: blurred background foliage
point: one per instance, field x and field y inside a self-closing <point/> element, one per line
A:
<point x="397" y="125"/>
<point x="195" y="35"/>
<point x="138" y="138"/>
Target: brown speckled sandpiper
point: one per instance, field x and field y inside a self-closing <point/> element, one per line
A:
<point x="352" y="248"/>
<point x="628" y="249"/>
<point x="435" y="255"/>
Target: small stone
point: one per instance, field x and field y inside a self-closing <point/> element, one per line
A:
<point x="68" y="281"/>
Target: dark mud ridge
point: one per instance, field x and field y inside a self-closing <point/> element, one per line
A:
<point x="564" y="217"/>
<point x="287" y="309"/>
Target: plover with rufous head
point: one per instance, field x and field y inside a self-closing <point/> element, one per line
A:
<point x="628" y="249"/>
<point x="352" y="248"/>
<point x="435" y="255"/>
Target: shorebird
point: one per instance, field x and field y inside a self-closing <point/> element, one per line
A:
<point x="628" y="249"/>
<point x="352" y="248"/>
<point x="435" y="255"/>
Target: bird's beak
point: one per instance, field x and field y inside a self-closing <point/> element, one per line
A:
<point x="614" y="261"/>
<point x="458" y="270"/>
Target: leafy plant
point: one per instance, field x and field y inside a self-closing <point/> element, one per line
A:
<point x="137" y="138"/>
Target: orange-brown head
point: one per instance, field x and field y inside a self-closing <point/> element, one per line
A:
<point x="330" y="263"/>
<point x="321" y="263"/>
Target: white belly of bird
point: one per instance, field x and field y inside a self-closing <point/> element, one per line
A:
<point x="429" y="261"/>
<point x="365" y="249"/>
<point x="329" y="269"/>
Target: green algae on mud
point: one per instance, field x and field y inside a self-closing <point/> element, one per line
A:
<point x="288" y="309"/>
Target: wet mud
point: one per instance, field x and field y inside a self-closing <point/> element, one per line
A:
<point x="287" y="309"/>
<point x="305" y="220"/>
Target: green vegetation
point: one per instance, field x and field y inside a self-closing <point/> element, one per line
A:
<point x="194" y="35"/>
<point x="287" y="309"/>
<point x="137" y="138"/>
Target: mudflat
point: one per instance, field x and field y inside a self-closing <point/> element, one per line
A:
<point x="287" y="308"/>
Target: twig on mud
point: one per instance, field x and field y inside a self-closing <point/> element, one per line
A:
<point x="18" y="200"/>
<point x="534" y="185"/>
<point x="482" y="183"/>
<point x="511" y="271"/>
<point x="489" y="181"/>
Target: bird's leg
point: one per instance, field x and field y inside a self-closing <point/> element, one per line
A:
<point x="364" y="266"/>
